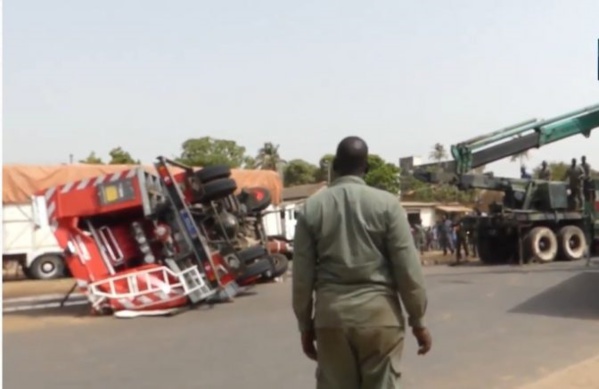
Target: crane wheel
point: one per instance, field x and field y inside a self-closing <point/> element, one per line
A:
<point x="572" y="243"/>
<point x="541" y="245"/>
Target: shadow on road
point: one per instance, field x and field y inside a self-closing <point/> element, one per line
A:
<point x="575" y="298"/>
<point x="478" y="268"/>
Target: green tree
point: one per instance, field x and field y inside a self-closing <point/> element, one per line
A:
<point x="208" y="151"/>
<point x="92" y="159"/>
<point x="118" y="156"/>
<point x="268" y="157"/>
<point x="382" y="174"/>
<point x="558" y="170"/>
<point x="249" y="162"/>
<point x="300" y="172"/>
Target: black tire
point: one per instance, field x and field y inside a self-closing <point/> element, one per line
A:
<point x="216" y="190"/>
<point x="256" y="199"/>
<point x="540" y="245"/>
<point x="47" y="267"/>
<point x="255" y="269"/>
<point x="212" y="173"/>
<point x="279" y="265"/>
<point x="251" y="253"/>
<point x="572" y="243"/>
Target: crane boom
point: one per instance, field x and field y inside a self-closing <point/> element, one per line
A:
<point x="512" y="140"/>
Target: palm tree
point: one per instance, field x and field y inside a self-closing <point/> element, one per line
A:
<point x="438" y="153"/>
<point x="268" y="157"/>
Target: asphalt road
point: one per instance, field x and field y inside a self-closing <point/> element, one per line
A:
<point x="493" y="327"/>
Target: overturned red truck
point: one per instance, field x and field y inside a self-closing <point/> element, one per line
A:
<point x="143" y="241"/>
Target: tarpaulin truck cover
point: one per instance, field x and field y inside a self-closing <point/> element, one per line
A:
<point x="20" y="182"/>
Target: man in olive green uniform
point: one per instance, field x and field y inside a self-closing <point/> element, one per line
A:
<point x="353" y="254"/>
<point x="544" y="173"/>
<point x="419" y="236"/>
<point x="575" y="177"/>
<point x="461" y="241"/>
<point x="588" y="190"/>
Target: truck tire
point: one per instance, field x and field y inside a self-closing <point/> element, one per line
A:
<point x="212" y="173"/>
<point x="541" y="245"/>
<point x="217" y="189"/>
<point x="47" y="267"/>
<point x="256" y="199"/>
<point x="251" y="253"/>
<point x="572" y="243"/>
<point x="279" y="265"/>
<point x="254" y="270"/>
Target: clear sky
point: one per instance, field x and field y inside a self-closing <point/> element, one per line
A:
<point x="147" y="75"/>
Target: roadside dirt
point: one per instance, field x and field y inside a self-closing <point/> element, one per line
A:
<point x="27" y="288"/>
<point x="43" y="319"/>
<point x="583" y="375"/>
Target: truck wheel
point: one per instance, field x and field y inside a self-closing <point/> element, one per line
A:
<point x="47" y="267"/>
<point x="256" y="199"/>
<point x="212" y="173"/>
<point x="541" y="245"/>
<point x="217" y="189"/>
<point x="255" y="269"/>
<point x="279" y="265"/>
<point x="572" y="243"/>
<point x="251" y="253"/>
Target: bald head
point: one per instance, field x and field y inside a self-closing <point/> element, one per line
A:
<point x="351" y="157"/>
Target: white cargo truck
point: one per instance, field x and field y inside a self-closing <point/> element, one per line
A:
<point x="28" y="239"/>
<point x="279" y="221"/>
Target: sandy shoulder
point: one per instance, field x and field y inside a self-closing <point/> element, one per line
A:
<point x="583" y="375"/>
<point x="28" y="288"/>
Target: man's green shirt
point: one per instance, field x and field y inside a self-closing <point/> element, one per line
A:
<point x="353" y="255"/>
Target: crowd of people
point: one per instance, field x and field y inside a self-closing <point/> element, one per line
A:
<point x="448" y="235"/>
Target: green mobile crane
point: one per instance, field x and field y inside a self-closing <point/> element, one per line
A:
<point x="536" y="221"/>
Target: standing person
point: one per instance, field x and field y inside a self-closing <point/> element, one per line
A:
<point x="461" y="241"/>
<point x="450" y="233"/>
<point x="420" y="236"/>
<point x="575" y="176"/>
<point x="444" y="234"/>
<point x="544" y="172"/>
<point x="354" y="265"/>
<point x="587" y="185"/>
<point x="524" y="174"/>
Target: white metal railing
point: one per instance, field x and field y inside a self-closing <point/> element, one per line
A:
<point x="189" y="280"/>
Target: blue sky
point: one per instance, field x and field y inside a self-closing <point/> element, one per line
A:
<point x="147" y="75"/>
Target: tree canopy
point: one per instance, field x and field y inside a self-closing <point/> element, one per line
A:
<point x="382" y="174"/>
<point x="208" y="151"/>
<point x="118" y="156"/>
<point x="300" y="172"/>
<point x="92" y="159"/>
